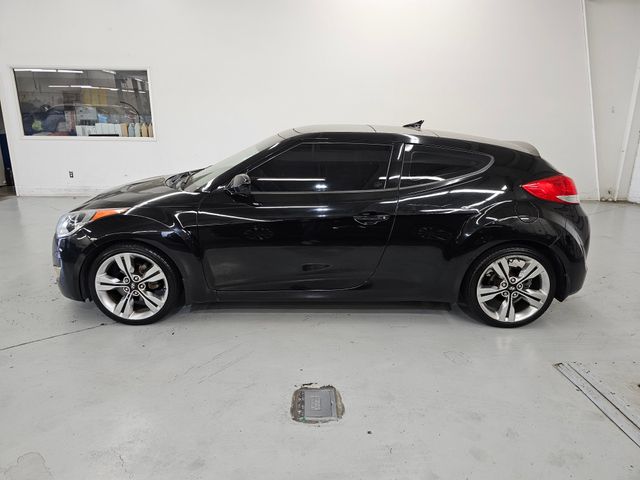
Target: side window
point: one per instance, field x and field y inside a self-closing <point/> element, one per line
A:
<point x="324" y="167"/>
<point x="423" y="165"/>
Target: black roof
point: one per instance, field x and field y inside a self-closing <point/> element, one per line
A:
<point x="407" y="132"/>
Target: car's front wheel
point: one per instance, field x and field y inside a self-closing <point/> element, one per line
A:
<point x="133" y="284"/>
<point x="510" y="287"/>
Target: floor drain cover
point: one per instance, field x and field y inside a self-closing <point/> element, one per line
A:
<point x="312" y="404"/>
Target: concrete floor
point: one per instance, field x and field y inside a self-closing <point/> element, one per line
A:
<point x="206" y="393"/>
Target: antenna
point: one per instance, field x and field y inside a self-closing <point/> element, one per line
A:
<point x="417" y="125"/>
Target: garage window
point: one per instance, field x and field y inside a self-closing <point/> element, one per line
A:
<point x="70" y="102"/>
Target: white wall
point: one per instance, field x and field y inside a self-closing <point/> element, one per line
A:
<point x="634" y="190"/>
<point x="3" y="180"/>
<point x="614" y="46"/>
<point x="227" y="73"/>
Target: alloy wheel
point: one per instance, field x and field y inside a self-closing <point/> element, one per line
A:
<point x="513" y="288"/>
<point x="131" y="286"/>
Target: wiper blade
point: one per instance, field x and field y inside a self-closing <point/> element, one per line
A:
<point x="185" y="180"/>
<point x="181" y="179"/>
<point x="173" y="180"/>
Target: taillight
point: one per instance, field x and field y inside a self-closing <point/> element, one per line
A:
<point x="559" y="189"/>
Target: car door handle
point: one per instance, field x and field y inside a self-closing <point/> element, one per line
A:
<point x="369" y="218"/>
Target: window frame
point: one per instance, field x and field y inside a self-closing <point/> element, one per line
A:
<point x="386" y="188"/>
<point x="62" y="138"/>
<point x="449" y="181"/>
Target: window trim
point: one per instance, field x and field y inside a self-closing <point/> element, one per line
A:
<point x="328" y="142"/>
<point x="73" y="138"/>
<point x="448" y="181"/>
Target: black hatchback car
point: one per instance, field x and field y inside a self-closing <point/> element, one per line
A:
<point x="336" y="213"/>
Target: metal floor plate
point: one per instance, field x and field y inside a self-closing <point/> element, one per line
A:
<point x="613" y="401"/>
<point x="312" y="404"/>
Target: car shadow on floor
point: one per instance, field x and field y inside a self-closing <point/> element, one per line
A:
<point x="335" y="308"/>
<point x="355" y="311"/>
<point x="318" y="307"/>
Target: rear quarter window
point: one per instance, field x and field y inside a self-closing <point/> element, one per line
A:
<point x="429" y="165"/>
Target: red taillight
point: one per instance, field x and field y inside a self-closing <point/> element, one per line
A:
<point x="558" y="189"/>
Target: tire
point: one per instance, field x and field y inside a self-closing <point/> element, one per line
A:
<point x="146" y="294"/>
<point x="526" y="298"/>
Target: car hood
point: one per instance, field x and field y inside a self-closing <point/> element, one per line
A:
<point x="150" y="192"/>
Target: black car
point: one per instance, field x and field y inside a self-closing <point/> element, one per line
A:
<point x="336" y="213"/>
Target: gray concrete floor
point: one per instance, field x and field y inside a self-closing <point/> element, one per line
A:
<point x="206" y="393"/>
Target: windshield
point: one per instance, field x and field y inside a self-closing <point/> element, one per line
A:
<point x="206" y="176"/>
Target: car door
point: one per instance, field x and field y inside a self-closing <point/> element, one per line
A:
<point x="318" y="218"/>
<point x="441" y="190"/>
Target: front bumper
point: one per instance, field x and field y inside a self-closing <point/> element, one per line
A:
<point x="68" y="254"/>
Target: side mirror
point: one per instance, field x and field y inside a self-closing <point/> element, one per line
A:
<point x="240" y="185"/>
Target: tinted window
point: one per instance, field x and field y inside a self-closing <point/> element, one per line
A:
<point x="430" y="165"/>
<point x="324" y="167"/>
<point x="205" y="177"/>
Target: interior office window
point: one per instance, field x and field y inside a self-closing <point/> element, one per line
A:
<point x="430" y="165"/>
<point x="84" y="103"/>
<point x="324" y="167"/>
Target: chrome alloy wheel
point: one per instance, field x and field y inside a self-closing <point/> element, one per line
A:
<point x="513" y="288"/>
<point x="131" y="286"/>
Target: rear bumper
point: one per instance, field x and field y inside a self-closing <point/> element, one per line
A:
<point x="572" y="249"/>
<point x="574" y="277"/>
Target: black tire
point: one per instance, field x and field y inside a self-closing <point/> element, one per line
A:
<point x="173" y="285"/>
<point x="470" y="303"/>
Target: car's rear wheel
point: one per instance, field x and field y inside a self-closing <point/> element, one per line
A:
<point x="510" y="287"/>
<point x="133" y="284"/>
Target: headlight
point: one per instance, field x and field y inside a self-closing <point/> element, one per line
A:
<point x="72" y="222"/>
